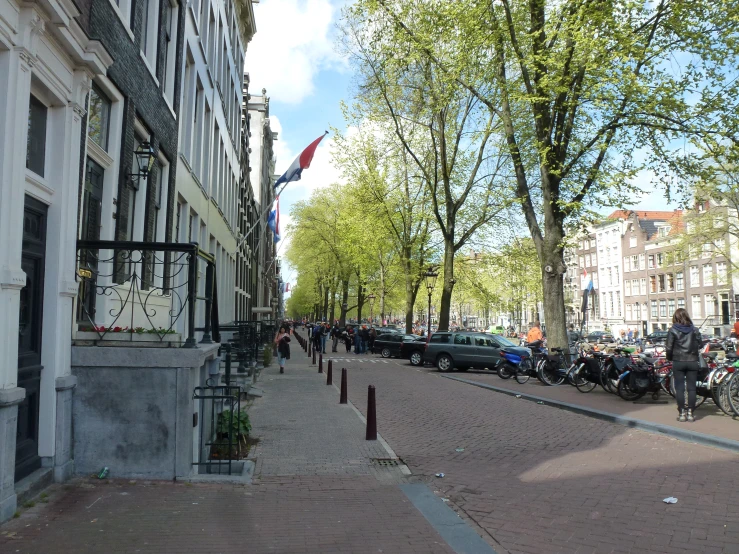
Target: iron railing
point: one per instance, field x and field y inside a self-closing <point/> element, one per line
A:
<point x="147" y="292"/>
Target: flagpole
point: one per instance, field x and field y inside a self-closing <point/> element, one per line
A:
<point x="246" y="236"/>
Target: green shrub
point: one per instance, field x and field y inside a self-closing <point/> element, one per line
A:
<point x="267" y="356"/>
<point x="240" y="425"/>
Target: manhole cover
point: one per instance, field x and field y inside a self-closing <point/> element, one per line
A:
<point x="385" y="462"/>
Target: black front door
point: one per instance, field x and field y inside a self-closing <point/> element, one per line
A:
<point x="30" y="319"/>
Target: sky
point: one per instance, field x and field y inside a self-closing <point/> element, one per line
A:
<point x="293" y="57"/>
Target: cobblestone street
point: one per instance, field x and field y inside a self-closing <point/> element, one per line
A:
<point x="539" y="479"/>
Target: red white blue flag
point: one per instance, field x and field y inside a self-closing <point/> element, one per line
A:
<point x="302" y="162"/>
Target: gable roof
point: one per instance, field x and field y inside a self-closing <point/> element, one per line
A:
<point x="651" y="215"/>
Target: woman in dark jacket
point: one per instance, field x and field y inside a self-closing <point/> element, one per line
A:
<point x="282" y="340"/>
<point x="682" y="348"/>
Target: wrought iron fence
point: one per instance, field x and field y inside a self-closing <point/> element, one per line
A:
<point x="146" y="292"/>
<point x="220" y="427"/>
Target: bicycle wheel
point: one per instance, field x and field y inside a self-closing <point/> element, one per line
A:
<point x="733" y="386"/>
<point x="582" y="383"/>
<point x="549" y="375"/>
<point x="523" y="371"/>
<point x="719" y="393"/>
<point x="609" y="378"/>
<point x="627" y="393"/>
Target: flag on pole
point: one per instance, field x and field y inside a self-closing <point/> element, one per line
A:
<point x="302" y="162"/>
<point x="273" y="221"/>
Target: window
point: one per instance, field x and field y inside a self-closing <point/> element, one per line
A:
<point x="149" y="32"/>
<point x="36" y="142"/>
<point x="652" y="283"/>
<point x="695" y="280"/>
<point x="617" y="275"/>
<point x="637" y="311"/>
<point x="610" y="276"/>
<point x="651" y="261"/>
<point x="627" y="284"/>
<point x="170" y="48"/>
<point x="663" y="308"/>
<point x="660" y="259"/>
<point x="627" y="264"/>
<point x="587" y="260"/>
<point x="670" y="282"/>
<point x="654" y="308"/>
<point x="706" y="250"/>
<point x="720" y="246"/>
<point x="710" y="305"/>
<point x="632" y="242"/>
<point x="707" y="275"/>
<point x="98" y="118"/>
<point x="605" y="299"/>
<point x="681" y="303"/>
<point x="721" y="273"/>
<point x="679" y="280"/>
<point x="643" y="286"/>
<point x="611" y="310"/>
<point x="641" y="261"/>
<point x="582" y="261"/>
<point x="662" y="231"/>
<point x="197" y="125"/>
<point x="592" y="243"/>
<point x="440" y="338"/>
<point x="618" y="302"/>
<point x="696" y="309"/>
<point x="628" y="312"/>
<point x="661" y="283"/>
<point x="634" y="262"/>
<point x="671" y="306"/>
<point x="160" y="198"/>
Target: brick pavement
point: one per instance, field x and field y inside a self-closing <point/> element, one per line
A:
<point x="538" y="479"/>
<point x="315" y="492"/>
<point x="710" y="420"/>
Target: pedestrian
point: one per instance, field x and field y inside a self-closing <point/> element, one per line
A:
<point x="335" y="335"/>
<point x="364" y="336"/>
<point x="282" y="340"/>
<point x="682" y="349"/>
<point x="347" y="335"/>
<point x="372" y="339"/>
<point x="324" y="331"/>
<point x="534" y="333"/>
<point x="630" y="334"/>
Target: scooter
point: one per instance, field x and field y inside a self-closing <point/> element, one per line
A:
<point x="511" y="364"/>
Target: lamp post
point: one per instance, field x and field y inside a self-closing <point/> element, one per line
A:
<point x="430" y="277"/>
<point x="274" y="303"/>
<point x="144" y="159"/>
<point x="371" y="299"/>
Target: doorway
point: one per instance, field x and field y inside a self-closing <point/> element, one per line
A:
<point x="30" y="318"/>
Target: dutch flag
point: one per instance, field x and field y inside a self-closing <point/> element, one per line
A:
<point x="302" y="162"/>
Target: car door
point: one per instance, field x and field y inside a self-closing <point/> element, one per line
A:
<point x="492" y="351"/>
<point x="483" y="353"/>
<point x="463" y="350"/>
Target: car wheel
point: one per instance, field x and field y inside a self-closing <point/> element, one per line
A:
<point x="444" y="363"/>
<point x="416" y="358"/>
<point x="385" y="353"/>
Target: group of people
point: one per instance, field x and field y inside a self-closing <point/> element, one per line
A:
<point x="362" y="338"/>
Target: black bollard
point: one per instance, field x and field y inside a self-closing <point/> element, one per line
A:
<point x="343" y="399"/>
<point x="320" y="363"/>
<point x="314" y="357"/>
<point x="329" y="373"/>
<point x="371" y="415"/>
<point x="310" y="348"/>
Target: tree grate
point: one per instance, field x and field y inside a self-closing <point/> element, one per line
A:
<point x="385" y="462"/>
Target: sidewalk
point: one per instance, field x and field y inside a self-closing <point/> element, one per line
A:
<point x="315" y="490"/>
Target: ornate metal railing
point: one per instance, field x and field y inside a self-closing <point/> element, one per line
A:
<point x="146" y="292"/>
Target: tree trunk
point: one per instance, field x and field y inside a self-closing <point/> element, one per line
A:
<point x="409" y="296"/>
<point x="333" y="306"/>
<point x="360" y="302"/>
<point x="325" y="301"/>
<point x="344" y="301"/>
<point x="382" y="298"/>
<point x="552" y="259"/>
<point x="446" y="293"/>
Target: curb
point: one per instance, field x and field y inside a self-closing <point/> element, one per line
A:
<point x="648" y="426"/>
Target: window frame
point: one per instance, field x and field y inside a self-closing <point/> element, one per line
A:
<point x="44" y="154"/>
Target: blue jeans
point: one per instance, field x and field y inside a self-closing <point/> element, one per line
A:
<point x="357" y="345"/>
<point x="362" y="346"/>
<point x="323" y="343"/>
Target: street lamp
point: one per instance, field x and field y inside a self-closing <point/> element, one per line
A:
<point x="144" y="159"/>
<point x="371" y="299"/>
<point x="430" y="277"/>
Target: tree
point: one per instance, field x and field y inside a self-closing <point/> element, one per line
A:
<point x="448" y="135"/>
<point x="584" y="90"/>
<point x="378" y="169"/>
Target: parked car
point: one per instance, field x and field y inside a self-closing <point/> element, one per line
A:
<point x="412" y="349"/>
<point x="600" y="337"/>
<point x="497" y="330"/>
<point x="388" y="330"/>
<point x="465" y="350"/>
<point x="388" y="345"/>
<point x="657" y="337"/>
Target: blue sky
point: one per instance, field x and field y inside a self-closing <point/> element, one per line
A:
<point x="293" y="56"/>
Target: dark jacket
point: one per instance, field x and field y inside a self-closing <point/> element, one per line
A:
<point x="683" y="343"/>
<point x="283" y="347"/>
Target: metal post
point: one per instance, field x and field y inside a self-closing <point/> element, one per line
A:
<point x="371" y="434"/>
<point x="192" y="294"/>
<point x="320" y="363"/>
<point x="428" y="321"/>
<point x="314" y="357"/>
<point x="227" y="348"/>
<point x="330" y="373"/>
<point x="343" y="399"/>
<point x="207" y="339"/>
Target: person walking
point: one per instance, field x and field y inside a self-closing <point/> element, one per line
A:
<point x="682" y="349"/>
<point x="282" y="340"/>
<point x="348" y="338"/>
<point x="364" y="335"/>
<point x="372" y="339"/>
<point x="335" y="335"/>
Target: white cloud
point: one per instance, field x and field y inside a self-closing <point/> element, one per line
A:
<point x="294" y="41"/>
